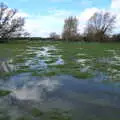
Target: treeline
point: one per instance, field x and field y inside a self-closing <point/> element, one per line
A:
<point x="99" y="28"/>
<point x="27" y="39"/>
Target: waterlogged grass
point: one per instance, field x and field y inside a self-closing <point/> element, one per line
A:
<point x="56" y="114"/>
<point x="36" y="112"/>
<point x="24" y="118"/>
<point x="4" y="93"/>
<point x="85" y="61"/>
<point x="53" y="114"/>
<point x="4" y="118"/>
<point x="81" y="60"/>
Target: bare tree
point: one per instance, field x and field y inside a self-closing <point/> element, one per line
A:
<point x="70" y="30"/>
<point x="100" y="25"/>
<point x="10" y="24"/>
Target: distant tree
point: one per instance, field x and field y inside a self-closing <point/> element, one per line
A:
<point x="10" y="24"/>
<point x="116" y="37"/>
<point x="70" y="30"/>
<point x="54" y="36"/>
<point x="26" y="34"/>
<point x="100" y="25"/>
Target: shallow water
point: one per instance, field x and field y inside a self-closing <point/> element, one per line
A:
<point x="59" y="96"/>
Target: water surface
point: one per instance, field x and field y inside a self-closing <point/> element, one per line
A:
<point x="60" y="81"/>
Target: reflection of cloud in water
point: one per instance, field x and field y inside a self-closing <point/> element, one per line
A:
<point x="26" y="94"/>
<point x="5" y="66"/>
<point x="60" y="61"/>
<point x="44" y="51"/>
<point x="37" y="91"/>
<point x="42" y="57"/>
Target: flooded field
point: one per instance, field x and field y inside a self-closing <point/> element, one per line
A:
<point x="60" y="81"/>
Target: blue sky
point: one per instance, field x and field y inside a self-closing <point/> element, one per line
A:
<point x="45" y="16"/>
<point x="43" y="6"/>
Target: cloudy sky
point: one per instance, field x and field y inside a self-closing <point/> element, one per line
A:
<point x="45" y="16"/>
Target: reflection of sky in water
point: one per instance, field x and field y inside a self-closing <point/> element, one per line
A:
<point x="26" y="87"/>
<point x="63" y="92"/>
<point x="7" y="66"/>
<point x="41" y="56"/>
<point x="36" y="91"/>
<point x="64" y="88"/>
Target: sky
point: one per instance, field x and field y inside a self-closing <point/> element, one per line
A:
<point x="46" y="16"/>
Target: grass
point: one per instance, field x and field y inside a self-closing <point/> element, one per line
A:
<point x="4" y="93"/>
<point x="88" y="54"/>
<point x="56" y="114"/>
<point x="36" y="112"/>
<point x="4" y="118"/>
<point x="24" y="118"/>
<point x="82" y="75"/>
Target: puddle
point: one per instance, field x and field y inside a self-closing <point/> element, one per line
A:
<point x="61" y="92"/>
<point x="35" y="90"/>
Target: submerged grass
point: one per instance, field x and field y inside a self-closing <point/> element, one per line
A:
<point x="57" y="114"/>
<point x="36" y="112"/>
<point x="4" y="93"/>
<point x="24" y="118"/>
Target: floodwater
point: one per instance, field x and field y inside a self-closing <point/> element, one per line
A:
<point x="58" y="96"/>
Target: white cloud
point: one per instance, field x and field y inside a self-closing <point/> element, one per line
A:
<point x="87" y="13"/>
<point x="115" y="4"/>
<point x="22" y="14"/>
<point x="44" y="25"/>
<point x="84" y="17"/>
<point x="115" y="8"/>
